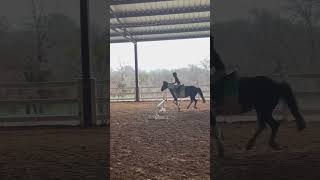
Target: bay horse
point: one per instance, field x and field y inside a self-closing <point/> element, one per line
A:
<point x="191" y="91"/>
<point x="262" y="94"/>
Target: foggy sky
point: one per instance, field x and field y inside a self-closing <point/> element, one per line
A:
<point x="18" y="11"/>
<point x="226" y="10"/>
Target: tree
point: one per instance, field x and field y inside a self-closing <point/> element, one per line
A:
<point x="4" y="24"/>
<point x="99" y="53"/>
<point x="122" y="83"/>
<point x="205" y="63"/>
<point x="36" y="67"/>
<point x="307" y="12"/>
<point x="64" y="35"/>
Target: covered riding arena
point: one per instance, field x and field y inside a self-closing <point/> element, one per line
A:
<point x="144" y="148"/>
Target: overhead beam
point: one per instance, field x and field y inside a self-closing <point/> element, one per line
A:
<point x="166" y="31"/>
<point x="162" y="12"/>
<point x="119" y="33"/>
<point x="161" y="23"/>
<point x="119" y="2"/>
<point x="162" y="38"/>
<point x="125" y="32"/>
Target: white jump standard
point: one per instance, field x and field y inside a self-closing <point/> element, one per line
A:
<point x="161" y="108"/>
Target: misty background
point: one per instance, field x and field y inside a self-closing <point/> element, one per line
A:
<point x="40" y="42"/>
<point x="266" y="37"/>
<point x="158" y="60"/>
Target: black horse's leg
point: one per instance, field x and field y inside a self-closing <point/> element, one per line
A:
<point x="261" y="126"/>
<point x="195" y="103"/>
<point x="191" y="101"/>
<point x="175" y="100"/>
<point x="274" y="129"/>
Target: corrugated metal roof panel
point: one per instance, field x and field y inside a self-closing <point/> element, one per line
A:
<point x="156" y="20"/>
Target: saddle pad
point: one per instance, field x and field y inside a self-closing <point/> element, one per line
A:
<point x="230" y="87"/>
<point x="181" y="93"/>
<point x="230" y="106"/>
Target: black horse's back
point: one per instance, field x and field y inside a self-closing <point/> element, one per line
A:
<point x="260" y="93"/>
<point x="263" y="94"/>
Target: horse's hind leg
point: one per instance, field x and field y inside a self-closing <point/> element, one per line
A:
<point x="190" y="104"/>
<point x="195" y="104"/>
<point x="274" y="129"/>
<point x="260" y="127"/>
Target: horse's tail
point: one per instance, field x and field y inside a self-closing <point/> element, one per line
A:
<point x="289" y="98"/>
<point x="201" y="94"/>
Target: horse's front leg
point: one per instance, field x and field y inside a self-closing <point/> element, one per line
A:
<point x="178" y="105"/>
<point x="175" y="100"/>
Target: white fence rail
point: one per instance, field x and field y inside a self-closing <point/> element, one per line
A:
<point x="48" y="103"/>
<point x="147" y="93"/>
<point x="61" y="102"/>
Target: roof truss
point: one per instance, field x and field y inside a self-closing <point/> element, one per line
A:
<point x="169" y="20"/>
<point x="121" y="2"/>
<point x="158" y="12"/>
<point x="178" y="30"/>
<point x="161" y="23"/>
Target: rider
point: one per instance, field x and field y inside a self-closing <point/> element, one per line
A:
<point x="225" y="85"/>
<point x="220" y="69"/>
<point x="177" y="82"/>
<point x="176" y="79"/>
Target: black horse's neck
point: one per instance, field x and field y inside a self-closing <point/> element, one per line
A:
<point x="217" y="62"/>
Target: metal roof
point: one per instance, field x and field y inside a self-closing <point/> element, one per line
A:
<point x="152" y="20"/>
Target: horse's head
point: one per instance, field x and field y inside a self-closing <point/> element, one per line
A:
<point x="164" y="85"/>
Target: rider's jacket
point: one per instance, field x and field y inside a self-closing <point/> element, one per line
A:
<point x="176" y="80"/>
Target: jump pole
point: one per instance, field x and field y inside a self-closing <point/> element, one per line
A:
<point x="160" y="108"/>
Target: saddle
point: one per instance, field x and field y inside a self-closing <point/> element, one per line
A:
<point x="179" y="91"/>
<point x="226" y="95"/>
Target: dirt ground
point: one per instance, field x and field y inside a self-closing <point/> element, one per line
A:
<point x="159" y="149"/>
<point x="53" y="153"/>
<point x="298" y="160"/>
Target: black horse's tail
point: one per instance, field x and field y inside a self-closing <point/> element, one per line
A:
<point x="289" y="98"/>
<point x="201" y="94"/>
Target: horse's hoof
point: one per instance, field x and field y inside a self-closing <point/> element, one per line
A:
<point x="249" y="146"/>
<point x="301" y="126"/>
<point x="275" y="146"/>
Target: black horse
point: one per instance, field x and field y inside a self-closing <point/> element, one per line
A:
<point x="191" y="91"/>
<point x="261" y="94"/>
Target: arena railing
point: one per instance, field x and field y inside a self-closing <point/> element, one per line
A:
<point x="306" y="87"/>
<point x="35" y="98"/>
<point x="147" y="93"/>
